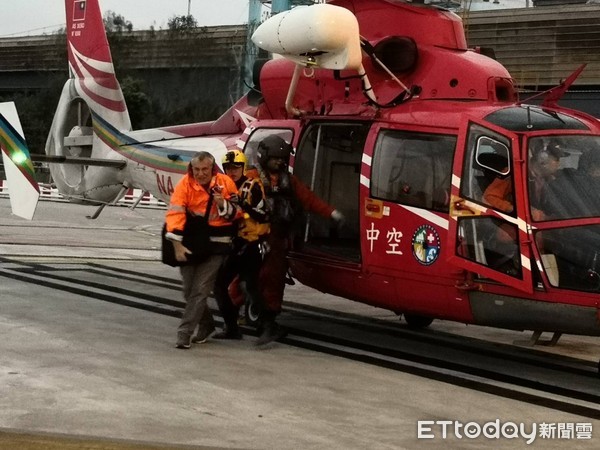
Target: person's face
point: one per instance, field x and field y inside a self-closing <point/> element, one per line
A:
<point x="548" y="166"/>
<point x="202" y="170"/>
<point x="275" y="164"/>
<point x="234" y="172"/>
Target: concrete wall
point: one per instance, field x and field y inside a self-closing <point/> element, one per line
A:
<point x="176" y="67"/>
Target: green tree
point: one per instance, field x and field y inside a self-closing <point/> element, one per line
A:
<point x="182" y="24"/>
<point x="118" y="32"/>
<point x="36" y="110"/>
<point x="138" y="102"/>
<point x="116" y="23"/>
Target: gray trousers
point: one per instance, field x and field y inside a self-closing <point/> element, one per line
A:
<point x="198" y="281"/>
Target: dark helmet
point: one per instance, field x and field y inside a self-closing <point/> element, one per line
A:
<point x="273" y="147"/>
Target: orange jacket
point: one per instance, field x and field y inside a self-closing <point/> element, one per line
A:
<point x="190" y="196"/>
<point x="499" y="194"/>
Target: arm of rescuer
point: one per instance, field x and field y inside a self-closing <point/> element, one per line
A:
<point x="310" y="202"/>
<point x="225" y="195"/>
<point x="496" y="196"/>
<point x="189" y="195"/>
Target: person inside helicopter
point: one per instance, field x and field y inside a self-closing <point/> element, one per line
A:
<point x="544" y="164"/>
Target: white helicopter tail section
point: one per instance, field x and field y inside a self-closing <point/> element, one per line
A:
<point x="92" y="95"/>
<point x="23" y="189"/>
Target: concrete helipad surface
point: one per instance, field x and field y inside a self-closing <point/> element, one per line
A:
<point x="108" y="376"/>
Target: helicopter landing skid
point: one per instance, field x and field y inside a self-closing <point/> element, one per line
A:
<point x="535" y="340"/>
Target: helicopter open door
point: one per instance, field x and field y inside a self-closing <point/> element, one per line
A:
<point x="487" y="210"/>
<point x="328" y="161"/>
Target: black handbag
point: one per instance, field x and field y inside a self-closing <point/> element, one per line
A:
<point x="196" y="238"/>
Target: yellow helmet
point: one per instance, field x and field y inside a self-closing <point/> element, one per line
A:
<point x="235" y="158"/>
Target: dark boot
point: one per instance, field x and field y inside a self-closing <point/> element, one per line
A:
<point x="229" y="332"/>
<point x="271" y="332"/>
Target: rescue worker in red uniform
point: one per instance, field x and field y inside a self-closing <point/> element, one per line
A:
<point x="245" y="259"/>
<point x="286" y="196"/>
<point x="192" y="195"/>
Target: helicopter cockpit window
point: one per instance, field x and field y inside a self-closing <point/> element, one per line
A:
<point x="564" y="181"/>
<point x="564" y="177"/>
<point x="493" y="155"/>
<point x="571" y="257"/>
<point x="413" y="169"/>
<point x="487" y="175"/>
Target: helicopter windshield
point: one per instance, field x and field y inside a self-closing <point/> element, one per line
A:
<point x="564" y="183"/>
<point x="571" y="257"/>
<point x="564" y="177"/>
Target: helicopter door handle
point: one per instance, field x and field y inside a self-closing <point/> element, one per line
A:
<point x="459" y="205"/>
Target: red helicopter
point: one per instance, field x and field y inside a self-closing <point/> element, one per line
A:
<point x="402" y="127"/>
<point x="406" y="144"/>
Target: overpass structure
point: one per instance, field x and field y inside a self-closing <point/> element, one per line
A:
<point x="206" y="67"/>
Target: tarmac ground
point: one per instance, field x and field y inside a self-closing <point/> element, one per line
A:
<point x="76" y="372"/>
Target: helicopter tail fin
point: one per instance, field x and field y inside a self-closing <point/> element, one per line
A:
<point x="23" y="189"/>
<point x="91" y="101"/>
<point x="91" y="65"/>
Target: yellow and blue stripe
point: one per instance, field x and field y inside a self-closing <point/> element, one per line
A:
<point x="15" y="147"/>
<point x="149" y="155"/>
